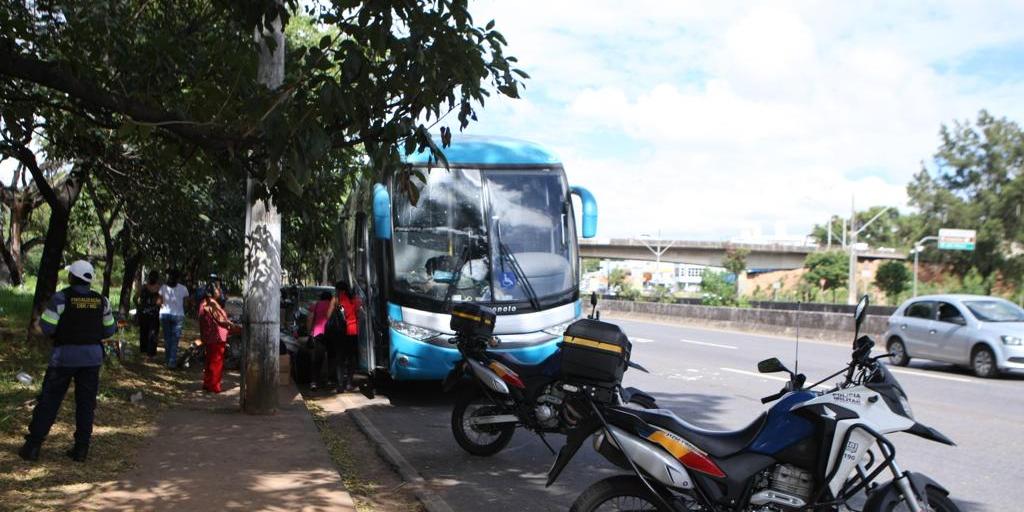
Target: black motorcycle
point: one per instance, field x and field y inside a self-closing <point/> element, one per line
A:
<point x="499" y="393"/>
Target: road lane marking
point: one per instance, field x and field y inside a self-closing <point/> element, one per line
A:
<point x="755" y="374"/>
<point x="706" y="344"/>
<point x="641" y="340"/>
<point x="763" y="376"/>
<point x="930" y="375"/>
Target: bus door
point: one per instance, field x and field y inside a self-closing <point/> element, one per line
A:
<point x="364" y="280"/>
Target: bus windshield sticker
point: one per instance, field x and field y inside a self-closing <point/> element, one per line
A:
<point x="507" y="280"/>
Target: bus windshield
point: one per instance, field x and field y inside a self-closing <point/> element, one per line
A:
<point x="489" y="236"/>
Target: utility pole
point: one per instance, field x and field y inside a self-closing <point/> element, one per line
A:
<point x="829" y="247"/>
<point x="262" y="295"/>
<point x="852" y="286"/>
<point x="918" y="247"/>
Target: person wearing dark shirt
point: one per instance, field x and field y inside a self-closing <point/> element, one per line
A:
<point x="148" y="314"/>
<point x="77" y="319"/>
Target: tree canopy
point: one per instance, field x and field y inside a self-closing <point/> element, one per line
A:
<point x="158" y="107"/>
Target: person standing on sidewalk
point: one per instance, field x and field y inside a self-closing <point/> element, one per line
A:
<point x="148" y="314"/>
<point x="172" y="315"/>
<point x="316" y="326"/>
<point x="347" y="347"/>
<point x="213" y="329"/>
<point x="78" y="319"/>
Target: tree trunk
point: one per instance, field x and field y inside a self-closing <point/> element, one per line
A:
<point x="262" y="294"/>
<point x="53" y="252"/>
<point x="108" y="267"/>
<point x="132" y="263"/>
<point x="9" y="262"/>
<point x="11" y="249"/>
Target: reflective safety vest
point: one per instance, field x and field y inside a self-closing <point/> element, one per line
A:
<point x="81" y="321"/>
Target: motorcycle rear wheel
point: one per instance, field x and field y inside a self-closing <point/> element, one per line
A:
<point x="479" y="440"/>
<point x="621" y="492"/>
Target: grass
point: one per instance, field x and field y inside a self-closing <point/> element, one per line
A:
<point x="120" y="427"/>
<point x="343" y="459"/>
<point x="15" y="307"/>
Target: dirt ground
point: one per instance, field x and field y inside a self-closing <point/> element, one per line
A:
<point x="371" y="481"/>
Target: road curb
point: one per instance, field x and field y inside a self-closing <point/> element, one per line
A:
<point x="430" y="500"/>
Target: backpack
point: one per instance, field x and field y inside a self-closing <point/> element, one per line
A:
<point x="337" y="326"/>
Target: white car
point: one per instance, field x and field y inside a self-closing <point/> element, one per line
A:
<point x="983" y="333"/>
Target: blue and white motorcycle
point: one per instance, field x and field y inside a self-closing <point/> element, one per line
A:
<point x="820" y="451"/>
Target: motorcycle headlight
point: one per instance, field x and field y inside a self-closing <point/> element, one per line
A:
<point x="1011" y="340"/>
<point x="906" y="407"/>
<point x="559" y="329"/>
<point x="414" y="331"/>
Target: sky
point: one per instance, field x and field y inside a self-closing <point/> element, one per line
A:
<point x="721" y="120"/>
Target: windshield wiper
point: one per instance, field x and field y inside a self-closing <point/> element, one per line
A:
<point x="449" y="292"/>
<point x="504" y="253"/>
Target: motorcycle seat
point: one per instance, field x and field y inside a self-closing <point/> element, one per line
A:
<point x="716" y="443"/>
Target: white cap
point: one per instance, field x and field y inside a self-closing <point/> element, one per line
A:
<point x="81" y="269"/>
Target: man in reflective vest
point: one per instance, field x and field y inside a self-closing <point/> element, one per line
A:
<point x="77" y="319"/>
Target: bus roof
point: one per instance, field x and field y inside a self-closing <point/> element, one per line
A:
<point x="466" y="151"/>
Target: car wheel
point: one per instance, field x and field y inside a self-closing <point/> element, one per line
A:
<point x="983" y="362"/>
<point x="898" y="350"/>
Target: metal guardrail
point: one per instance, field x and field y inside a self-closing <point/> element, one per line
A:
<point x="817" y="307"/>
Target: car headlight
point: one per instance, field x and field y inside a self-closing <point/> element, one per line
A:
<point x="906" y="407"/>
<point x="559" y="329"/>
<point x="414" y="331"/>
<point x="1011" y="340"/>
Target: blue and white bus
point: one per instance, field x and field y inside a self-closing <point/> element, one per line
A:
<point x="497" y="227"/>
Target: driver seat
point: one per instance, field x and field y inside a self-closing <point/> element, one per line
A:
<point x="716" y="443"/>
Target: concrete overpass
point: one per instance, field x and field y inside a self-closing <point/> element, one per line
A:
<point x="761" y="257"/>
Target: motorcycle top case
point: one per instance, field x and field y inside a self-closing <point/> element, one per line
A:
<point x="595" y="351"/>
<point x="470" y="319"/>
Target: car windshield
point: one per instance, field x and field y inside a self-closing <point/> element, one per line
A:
<point x="447" y="245"/>
<point x="995" y="311"/>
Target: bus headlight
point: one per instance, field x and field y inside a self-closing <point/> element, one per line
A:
<point x="414" y="331"/>
<point x="559" y="329"/>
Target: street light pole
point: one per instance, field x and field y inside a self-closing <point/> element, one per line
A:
<point x="852" y="286"/>
<point x="918" y="247"/>
<point x="659" y="251"/>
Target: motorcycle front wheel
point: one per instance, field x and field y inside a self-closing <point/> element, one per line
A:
<point x="937" y="502"/>
<point x="480" y="440"/>
<point x="622" y="492"/>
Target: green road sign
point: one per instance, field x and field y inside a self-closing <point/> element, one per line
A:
<point x="957" y="239"/>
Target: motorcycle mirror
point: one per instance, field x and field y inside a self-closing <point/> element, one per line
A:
<point x="593" y="299"/>
<point x="772" y="365"/>
<point x="859" y="314"/>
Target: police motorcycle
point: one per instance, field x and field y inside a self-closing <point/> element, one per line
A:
<point x="499" y="393"/>
<point x="810" y="451"/>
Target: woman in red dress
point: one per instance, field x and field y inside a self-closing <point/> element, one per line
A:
<point x="213" y="330"/>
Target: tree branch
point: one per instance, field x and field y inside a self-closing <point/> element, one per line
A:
<point x="28" y="159"/>
<point x="55" y="76"/>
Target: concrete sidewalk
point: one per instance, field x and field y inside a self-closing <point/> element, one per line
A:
<point x="206" y="455"/>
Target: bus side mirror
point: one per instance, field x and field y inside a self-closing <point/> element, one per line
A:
<point x="381" y="212"/>
<point x="589" y="211"/>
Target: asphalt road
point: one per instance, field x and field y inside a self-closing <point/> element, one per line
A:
<point x="709" y="378"/>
